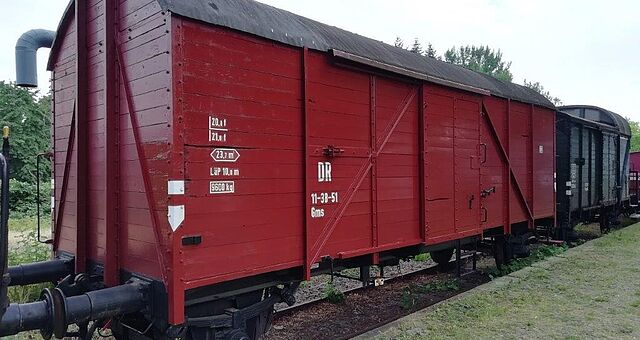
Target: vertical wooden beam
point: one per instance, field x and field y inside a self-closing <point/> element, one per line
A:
<point x="51" y="185"/>
<point x="422" y="147"/>
<point x="555" y="176"/>
<point x="305" y="167"/>
<point x="507" y="226"/>
<point x="111" y="152"/>
<point x="374" y="162"/>
<point x="81" y="141"/>
<point x="580" y="165"/>
<point x="173" y="256"/>
<point x="454" y="167"/>
<point x="532" y="147"/>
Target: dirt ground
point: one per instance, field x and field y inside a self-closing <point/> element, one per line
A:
<point x="367" y="308"/>
<point x="589" y="292"/>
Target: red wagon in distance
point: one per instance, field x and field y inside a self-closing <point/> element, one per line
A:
<point x="634" y="179"/>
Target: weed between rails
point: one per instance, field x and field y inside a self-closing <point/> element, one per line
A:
<point x="537" y="255"/>
<point x="333" y="294"/>
<point x="424" y="257"/>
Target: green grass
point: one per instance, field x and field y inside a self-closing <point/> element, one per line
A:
<point x="28" y="224"/>
<point x="591" y="292"/>
<point x="414" y="293"/>
<point x="439" y="286"/>
<point x="27" y="249"/>
<point x="537" y="255"/>
<point x="587" y="231"/>
<point x="333" y="294"/>
<point x="424" y="257"/>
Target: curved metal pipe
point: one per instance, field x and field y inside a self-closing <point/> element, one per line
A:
<point x="26" y="62"/>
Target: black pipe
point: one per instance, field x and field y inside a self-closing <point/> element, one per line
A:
<point x="55" y="312"/>
<point x="19" y="317"/>
<point x="4" y="222"/>
<point x="105" y="303"/>
<point x="37" y="272"/>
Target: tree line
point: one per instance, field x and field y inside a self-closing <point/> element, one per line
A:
<point x="489" y="61"/>
<point x="482" y="59"/>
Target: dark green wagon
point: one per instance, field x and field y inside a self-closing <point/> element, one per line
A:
<point x="592" y="166"/>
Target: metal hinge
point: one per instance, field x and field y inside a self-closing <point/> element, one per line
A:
<point x="332" y="151"/>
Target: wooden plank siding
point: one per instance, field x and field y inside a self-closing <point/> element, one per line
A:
<point x="144" y="41"/>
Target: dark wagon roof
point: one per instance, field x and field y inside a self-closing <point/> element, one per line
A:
<point x="598" y="115"/>
<point x="275" y="24"/>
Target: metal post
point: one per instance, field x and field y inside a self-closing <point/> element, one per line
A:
<point x="475" y="259"/>
<point x="365" y="275"/>
<point x="458" y="260"/>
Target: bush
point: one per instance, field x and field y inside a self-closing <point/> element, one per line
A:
<point x="22" y="198"/>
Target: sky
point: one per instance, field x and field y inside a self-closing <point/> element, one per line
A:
<point x="584" y="52"/>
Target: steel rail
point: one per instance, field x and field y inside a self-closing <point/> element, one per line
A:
<point x="431" y="270"/>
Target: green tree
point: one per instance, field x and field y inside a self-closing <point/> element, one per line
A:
<point x="540" y="89"/>
<point x="431" y="52"/>
<point x="482" y="59"/>
<point x="635" y="134"/>
<point x="399" y="42"/>
<point x="29" y="117"/>
<point x="416" y="47"/>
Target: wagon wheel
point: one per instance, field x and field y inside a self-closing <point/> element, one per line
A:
<point x="254" y="328"/>
<point x="442" y="258"/>
<point x="258" y="326"/>
<point x="501" y="251"/>
<point x="605" y="221"/>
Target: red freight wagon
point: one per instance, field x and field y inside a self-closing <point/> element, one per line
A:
<point x="215" y="149"/>
<point x="634" y="177"/>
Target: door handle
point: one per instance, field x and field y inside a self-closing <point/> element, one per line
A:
<point x="486" y="192"/>
<point x="483" y="147"/>
<point x="485" y="215"/>
<point x="471" y="198"/>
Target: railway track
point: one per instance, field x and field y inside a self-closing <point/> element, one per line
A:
<point x="431" y="270"/>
